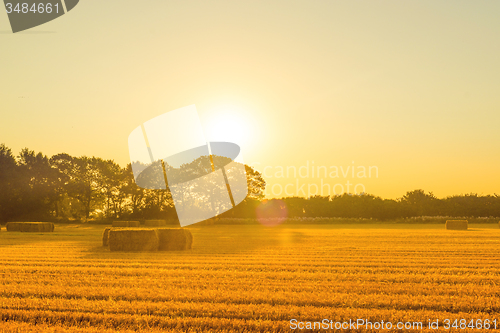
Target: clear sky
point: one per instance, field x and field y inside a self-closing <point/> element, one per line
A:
<point x="411" y="87"/>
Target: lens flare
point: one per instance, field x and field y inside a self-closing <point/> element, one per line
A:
<point x="271" y="213"/>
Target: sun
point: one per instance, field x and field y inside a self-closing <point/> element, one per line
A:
<point x="228" y="124"/>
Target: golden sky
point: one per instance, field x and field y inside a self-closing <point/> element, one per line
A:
<point x="411" y="87"/>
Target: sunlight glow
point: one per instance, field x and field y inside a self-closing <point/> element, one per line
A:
<point x="228" y="124"/>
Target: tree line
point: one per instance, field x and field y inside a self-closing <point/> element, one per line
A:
<point x="412" y="204"/>
<point x="36" y="187"/>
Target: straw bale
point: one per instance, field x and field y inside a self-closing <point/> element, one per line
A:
<point x="155" y="223"/>
<point x="175" y="239"/>
<point x="30" y="226"/>
<point x="48" y="227"/>
<point x="105" y="236"/>
<point x="133" y="240"/>
<point x="126" y="224"/>
<point x="13" y="226"/>
<point x="457" y="224"/>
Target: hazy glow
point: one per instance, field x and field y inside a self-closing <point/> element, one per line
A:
<point x="227" y="124"/>
<point x="411" y="87"/>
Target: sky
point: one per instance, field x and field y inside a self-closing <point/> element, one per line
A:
<point x="406" y="89"/>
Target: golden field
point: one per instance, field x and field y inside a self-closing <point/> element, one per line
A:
<point x="246" y="278"/>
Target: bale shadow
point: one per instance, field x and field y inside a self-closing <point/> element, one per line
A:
<point x="215" y="240"/>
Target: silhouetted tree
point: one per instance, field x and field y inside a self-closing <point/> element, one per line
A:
<point x="11" y="187"/>
<point x="317" y="206"/>
<point x="41" y="192"/>
<point x="64" y="172"/>
<point x="418" y="203"/>
<point x="296" y="206"/>
<point x="134" y="195"/>
<point x="35" y="187"/>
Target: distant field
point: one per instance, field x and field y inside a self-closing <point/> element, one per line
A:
<point x="250" y="278"/>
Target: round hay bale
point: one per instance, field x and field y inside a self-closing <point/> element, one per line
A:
<point x="30" y="226"/>
<point x="126" y="224"/>
<point x="457" y="225"/>
<point x="48" y="226"/>
<point x="105" y="236"/>
<point x="133" y="240"/>
<point x="155" y="223"/>
<point x="175" y="239"/>
<point x="13" y="226"/>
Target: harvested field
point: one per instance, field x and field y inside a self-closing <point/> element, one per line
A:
<point x="251" y="278"/>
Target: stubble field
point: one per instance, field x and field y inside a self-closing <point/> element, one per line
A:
<point x="246" y="278"/>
